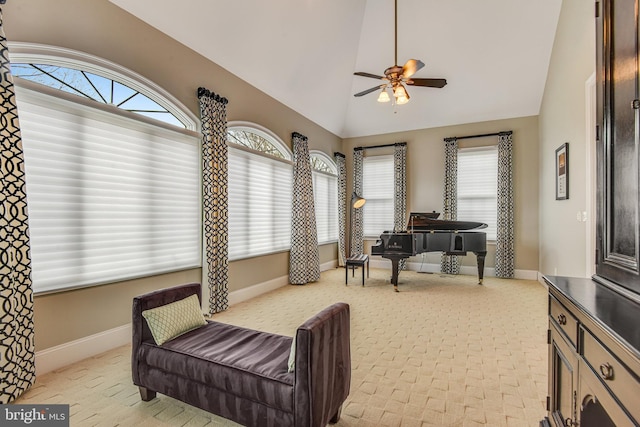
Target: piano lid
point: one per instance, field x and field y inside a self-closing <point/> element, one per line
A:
<point x="427" y="221"/>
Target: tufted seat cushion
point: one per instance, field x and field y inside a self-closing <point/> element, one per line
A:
<point x="246" y="363"/>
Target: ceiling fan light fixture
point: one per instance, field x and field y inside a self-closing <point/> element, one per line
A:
<point x="395" y="77"/>
<point x="384" y="96"/>
<point x="399" y="91"/>
<point x="402" y="100"/>
<point x="401" y="95"/>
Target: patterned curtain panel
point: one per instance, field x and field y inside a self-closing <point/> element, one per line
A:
<point x="17" y="351"/>
<point x="504" y="238"/>
<point x="357" y="244"/>
<point x="342" y="207"/>
<point x="400" y="190"/>
<point x="215" y="198"/>
<point x="304" y="258"/>
<point x="449" y="263"/>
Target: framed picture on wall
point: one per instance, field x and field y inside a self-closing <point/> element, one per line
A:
<point x="562" y="172"/>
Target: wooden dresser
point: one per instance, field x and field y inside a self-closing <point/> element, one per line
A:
<point x="594" y="325"/>
<point x="594" y="355"/>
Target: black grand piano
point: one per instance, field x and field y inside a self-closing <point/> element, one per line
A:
<point x="426" y="233"/>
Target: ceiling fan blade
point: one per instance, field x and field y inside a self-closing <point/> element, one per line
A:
<point x="411" y="67"/>
<point x="373" y="76"/>
<point x="439" y="83"/>
<point x="373" y="89"/>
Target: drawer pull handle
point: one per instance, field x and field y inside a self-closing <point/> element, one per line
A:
<point x="606" y="370"/>
<point x="562" y="319"/>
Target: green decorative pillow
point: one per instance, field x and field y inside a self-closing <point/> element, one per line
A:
<point x="169" y="321"/>
<point x="292" y="356"/>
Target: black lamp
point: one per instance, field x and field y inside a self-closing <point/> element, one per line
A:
<point x="356" y="203"/>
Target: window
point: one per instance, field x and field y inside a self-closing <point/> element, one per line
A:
<point x="260" y="181"/>
<point x="257" y="141"/>
<point x="378" y="190"/>
<point x="97" y="80"/>
<point x="478" y="187"/>
<point x="112" y="195"/>
<point x="325" y="196"/>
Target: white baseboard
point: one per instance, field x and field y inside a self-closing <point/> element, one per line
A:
<point x="464" y="269"/>
<point x="65" y="354"/>
<point x="247" y="293"/>
<point x="330" y="265"/>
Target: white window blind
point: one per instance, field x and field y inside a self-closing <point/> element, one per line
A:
<point x="110" y="197"/>
<point x="325" y="198"/>
<point x="478" y="187"/>
<point x="259" y="203"/>
<point x="378" y="190"/>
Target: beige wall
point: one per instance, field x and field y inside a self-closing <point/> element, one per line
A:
<point x="547" y="235"/>
<point x="425" y="176"/>
<point x="102" y="29"/>
<point x="66" y="316"/>
<point x="563" y="238"/>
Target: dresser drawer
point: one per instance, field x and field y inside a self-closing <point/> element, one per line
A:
<point x="564" y="320"/>
<point x="613" y="374"/>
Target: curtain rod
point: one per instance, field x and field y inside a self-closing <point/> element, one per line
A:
<point x="508" y="132"/>
<point x="379" y="146"/>
<point x="203" y="92"/>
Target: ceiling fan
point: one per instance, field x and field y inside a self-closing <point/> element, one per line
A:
<point x="396" y="77"/>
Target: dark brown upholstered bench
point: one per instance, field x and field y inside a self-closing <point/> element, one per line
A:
<point x="353" y="261"/>
<point x="243" y="374"/>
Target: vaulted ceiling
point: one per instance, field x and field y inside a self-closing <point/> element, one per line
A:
<point x="493" y="53"/>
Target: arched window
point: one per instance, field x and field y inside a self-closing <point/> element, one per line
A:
<point x="258" y="140"/>
<point x="97" y="80"/>
<point x="260" y="183"/>
<point x="325" y="196"/>
<point x="112" y="194"/>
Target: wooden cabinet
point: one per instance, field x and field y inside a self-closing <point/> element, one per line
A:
<point x="594" y="355"/>
<point x="594" y="337"/>
<point x="618" y="136"/>
<point x="615" y="378"/>
<point x="563" y="380"/>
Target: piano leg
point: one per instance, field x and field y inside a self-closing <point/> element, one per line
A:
<point x="480" y="258"/>
<point x="395" y="263"/>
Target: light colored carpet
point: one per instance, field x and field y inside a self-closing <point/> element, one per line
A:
<point x="443" y="351"/>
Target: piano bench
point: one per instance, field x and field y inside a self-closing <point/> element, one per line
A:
<point x="353" y="261"/>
